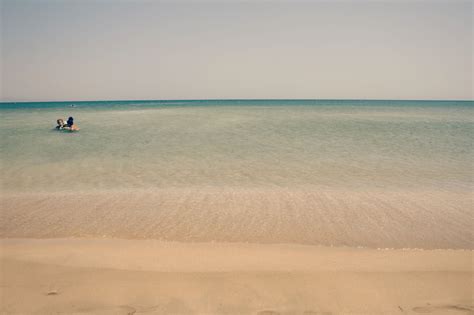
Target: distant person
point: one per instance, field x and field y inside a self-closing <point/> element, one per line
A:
<point x="69" y="125"/>
<point x="61" y="124"/>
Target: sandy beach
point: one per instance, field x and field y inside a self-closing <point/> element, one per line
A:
<point x="221" y="251"/>
<point x="87" y="276"/>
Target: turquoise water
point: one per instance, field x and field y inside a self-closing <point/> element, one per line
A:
<point x="330" y="144"/>
<point x="346" y="173"/>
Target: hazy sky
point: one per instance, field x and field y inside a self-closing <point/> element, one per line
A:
<point x="104" y="49"/>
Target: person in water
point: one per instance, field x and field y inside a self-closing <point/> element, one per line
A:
<point x="61" y="124"/>
<point x="69" y="125"/>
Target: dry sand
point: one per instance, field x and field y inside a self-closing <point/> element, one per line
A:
<point x="87" y="276"/>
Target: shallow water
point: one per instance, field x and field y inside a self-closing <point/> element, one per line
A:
<point x="353" y="145"/>
<point x="354" y="173"/>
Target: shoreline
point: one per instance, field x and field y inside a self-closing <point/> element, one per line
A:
<point x="105" y="276"/>
<point x="369" y="219"/>
<point x="148" y="254"/>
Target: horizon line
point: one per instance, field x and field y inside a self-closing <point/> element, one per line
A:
<point x="242" y="99"/>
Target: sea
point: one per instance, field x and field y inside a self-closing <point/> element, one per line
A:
<point x="301" y="171"/>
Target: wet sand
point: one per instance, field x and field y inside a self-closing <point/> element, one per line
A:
<point x="86" y="276"/>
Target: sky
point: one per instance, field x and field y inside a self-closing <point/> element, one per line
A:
<point x="138" y="50"/>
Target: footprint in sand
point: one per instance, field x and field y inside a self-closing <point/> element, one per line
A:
<point x="458" y="308"/>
